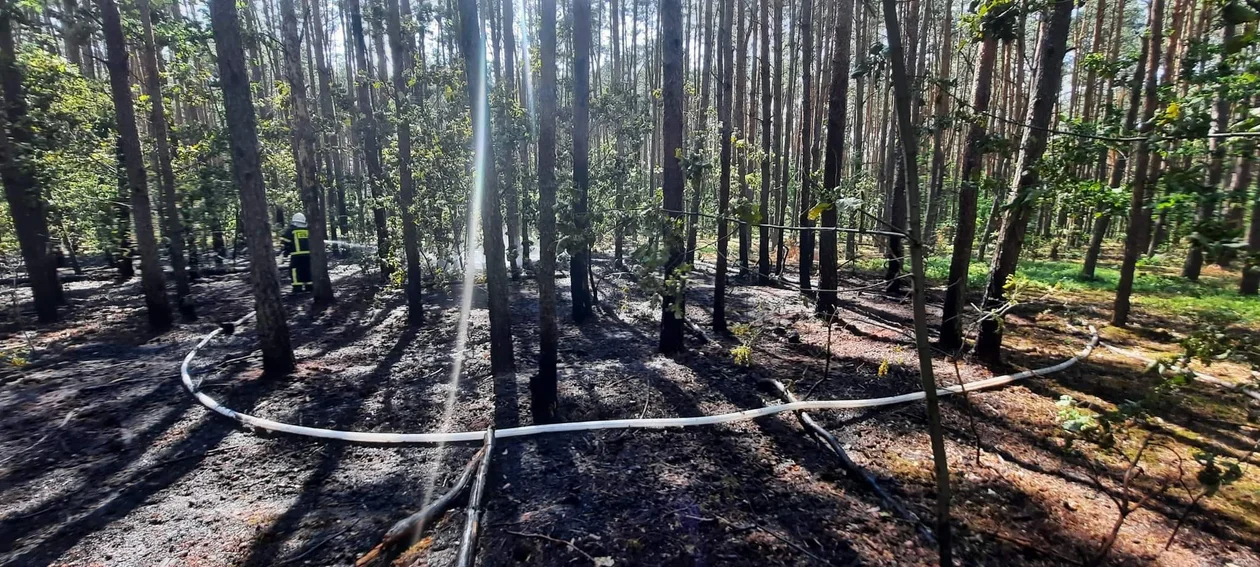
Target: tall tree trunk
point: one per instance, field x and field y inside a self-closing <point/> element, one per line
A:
<point x="673" y="306"/>
<point x="174" y="228"/>
<point x="806" y="200"/>
<point x="702" y="131"/>
<point x="940" y="106"/>
<point x="1215" y="173"/>
<point x="21" y="188"/>
<point x="151" y="278"/>
<point x="507" y="154"/>
<point x="330" y="127"/>
<point x="837" y="113"/>
<point x="965" y="226"/>
<point x="1056" y="22"/>
<point x="777" y="153"/>
<point x="724" y="175"/>
<point x="1250" y="284"/>
<point x="1116" y="178"/>
<point x="742" y="126"/>
<point x="905" y="125"/>
<point x="767" y="123"/>
<point x="1137" y="214"/>
<point x="304" y="155"/>
<point x="404" y="64"/>
<point x="473" y="48"/>
<point x="580" y="259"/>
<point x="238" y="106"/>
<point x="542" y="386"/>
<point x="369" y="138"/>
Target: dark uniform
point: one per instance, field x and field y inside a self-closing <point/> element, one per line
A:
<point x="298" y="248"/>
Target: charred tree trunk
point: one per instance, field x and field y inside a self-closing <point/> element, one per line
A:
<point x="543" y="386"/>
<point x="580" y="257"/>
<point x="837" y="112"/>
<point x="673" y="302"/>
<point x="472" y="46"/>
<point x="805" y="202"/>
<point x="368" y="136"/>
<point x="238" y="106"/>
<point x="724" y="174"/>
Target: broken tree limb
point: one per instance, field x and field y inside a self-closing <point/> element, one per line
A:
<point x="472" y="526"/>
<point x="412" y="528"/>
<point x="851" y="468"/>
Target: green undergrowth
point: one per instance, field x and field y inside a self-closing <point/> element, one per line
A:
<point x="1157" y="288"/>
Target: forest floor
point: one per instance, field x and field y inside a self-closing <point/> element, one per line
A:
<point x="106" y="460"/>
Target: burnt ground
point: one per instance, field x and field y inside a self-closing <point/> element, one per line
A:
<point x="106" y="460"/>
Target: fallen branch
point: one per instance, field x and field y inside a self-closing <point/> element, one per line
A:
<point x="776" y="535"/>
<point x="476" y="505"/>
<point x="851" y="468"/>
<point x="696" y="330"/>
<point x="412" y="527"/>
<point x="555" y="540"/>
<point x="312" y="548"/>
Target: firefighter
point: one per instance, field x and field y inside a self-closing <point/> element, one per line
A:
<point x="297" y="248"/>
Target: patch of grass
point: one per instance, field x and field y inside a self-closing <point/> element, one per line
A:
<point x="1156" y="289"/>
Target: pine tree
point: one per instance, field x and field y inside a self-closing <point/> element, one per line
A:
<point x="473" y="48"/>
<point x="837" y="113"/>
<point x="173" y="230"/>
<point x="404" y="62"/>
<point x="151" y="278"/>
<point x="542" y="387"/>
<point x="21" y="189"/>
<point x="1138" y="218"/>
<point x="580" y="259"/>
<point x="309" y="189"/>
<point x="238" y="106"/>
<point x="673" y="302"/>
<point x="1055" y="25"/>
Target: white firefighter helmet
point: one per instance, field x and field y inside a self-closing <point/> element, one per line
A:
<point x="299" y="220"/>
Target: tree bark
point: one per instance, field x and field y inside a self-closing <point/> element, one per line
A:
<point x="330" y="127"/>
<point x="510" y="195"/>
<point x="1208" y="200"/>
<point x="238" y="106"/>
<point x="404" y="63"/>
<point x="369" y="138"/>
<point x="767" y="123"/>
<point x="805" y="202"/>
<point x="905" y="125"/>
<point x="151" y="278"/>
<point x="837" y="113"/>
<point x="543" y="385"/>
<point x="304" y="155"/>
<point x="1137" y="214"/>
<point x="940" y="106"/>
<point x="1056" y="22"/>
<point x="1116" y="177"/>
<point x="472" y="46"/>
<point x="727" y="50"/>
<point x="965" y="225"/>
<point x="673" y="300"/>
<point x="21" y="187"/>
<point x="174" y="229"/>
<point x="580" y="258"/>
